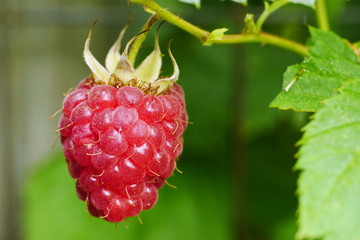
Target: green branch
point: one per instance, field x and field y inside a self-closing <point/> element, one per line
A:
<point x="203" y="35"/>
<point x="265" y="38"/>
<point x="140" y="38"/>
<point x="269" y="9"/>
<point x="163" y="13"/>
<point x="321" y="15"/>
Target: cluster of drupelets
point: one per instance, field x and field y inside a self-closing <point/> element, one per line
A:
<point x="120" y="145"/>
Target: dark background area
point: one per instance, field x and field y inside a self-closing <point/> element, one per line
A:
<point x="238" y="181"/>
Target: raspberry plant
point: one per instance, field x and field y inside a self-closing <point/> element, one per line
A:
<point x="326" y="84"/>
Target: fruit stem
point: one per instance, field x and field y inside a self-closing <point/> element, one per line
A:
<point x="321" y="15"/>
<point x="141" y="38"/>
<point x="204" y="35"/>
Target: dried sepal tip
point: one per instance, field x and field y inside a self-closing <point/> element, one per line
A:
<point x="99" y="72"/>
<point x="164" y="83"/>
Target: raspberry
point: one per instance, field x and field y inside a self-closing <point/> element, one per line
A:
<point x="121" y="136"/>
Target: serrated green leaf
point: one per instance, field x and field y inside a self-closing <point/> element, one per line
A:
<point x="329" y="45"/>
<point x="328" y="83"/>
<point x="307" y="85"/>
<point x="303" y="90"/>
<point x="329" y="186"/>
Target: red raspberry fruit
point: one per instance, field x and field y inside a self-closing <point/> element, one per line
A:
<point x="121" y="131"/>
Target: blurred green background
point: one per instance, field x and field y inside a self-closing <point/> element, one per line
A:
<point x="237" y="180"/>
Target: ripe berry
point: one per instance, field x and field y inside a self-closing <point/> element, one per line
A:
<point x="121" y="131"/>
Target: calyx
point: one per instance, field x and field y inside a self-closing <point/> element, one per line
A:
<point x="118" y="70"/>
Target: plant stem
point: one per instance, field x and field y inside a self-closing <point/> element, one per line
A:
<point x="321" y="15"/>
<point x="265" y="38"/>
<point x="203" y="35"/>
<point x="141" y="38"/>
<point x="269" y="9"/>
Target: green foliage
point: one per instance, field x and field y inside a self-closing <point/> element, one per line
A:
<point x="319" y="77"/>
<point x="329" y="187"/>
